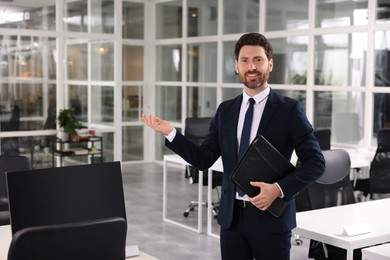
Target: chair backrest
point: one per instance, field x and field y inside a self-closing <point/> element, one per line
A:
<point x="11" y="163"/>
<point x="334" y="187"/>
<point x="69" y="194"/>
<point x="380" y="165"/>
<point x="197" y="128"/>
<point x="97" y="239"/>
<point x="324" y="138"/>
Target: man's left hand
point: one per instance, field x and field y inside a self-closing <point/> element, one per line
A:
<point x="268" y="193"/>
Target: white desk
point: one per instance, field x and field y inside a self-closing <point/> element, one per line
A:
<point x="326" y="225"/>
<point x="219" y="168"/>
<point x="173" y="158"/>
<point x="357" y="161"/>
<point x="5" y="240"/>
<point x="380" y="252"/>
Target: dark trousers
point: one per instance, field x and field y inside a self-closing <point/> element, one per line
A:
<point x="246" y="239"/>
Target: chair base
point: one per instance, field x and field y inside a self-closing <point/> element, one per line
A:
<point x="194" y="204"/>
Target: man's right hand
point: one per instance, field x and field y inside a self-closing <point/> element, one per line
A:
<point x="157" y="124"/>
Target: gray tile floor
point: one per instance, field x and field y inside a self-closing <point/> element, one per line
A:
<point x="143" y="188"/>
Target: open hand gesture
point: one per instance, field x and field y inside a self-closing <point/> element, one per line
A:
<point x="157" y="124"/>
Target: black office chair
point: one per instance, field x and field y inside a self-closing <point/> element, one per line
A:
<point x="196" y="130"/>
<point x="9" y="163"/>
<point x="97" y="239"/>
<point x="323" y="137"/>
<point x="333" y="188"/>
<point x="379" y="180"/>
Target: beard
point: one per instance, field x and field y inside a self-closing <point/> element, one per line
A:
<point x="254" y="84"/>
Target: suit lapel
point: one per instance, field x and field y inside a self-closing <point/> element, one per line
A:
<point x="269" y="110"/>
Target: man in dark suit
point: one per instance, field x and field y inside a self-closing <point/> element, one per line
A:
<point x="248" y="231"/>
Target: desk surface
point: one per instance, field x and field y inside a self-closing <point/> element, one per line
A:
<point x="326" y="225"/>
<point x="5" y="240"/>
<point x="376" y="252"/>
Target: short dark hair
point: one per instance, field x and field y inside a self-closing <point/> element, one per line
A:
<point x="254" y="39"/>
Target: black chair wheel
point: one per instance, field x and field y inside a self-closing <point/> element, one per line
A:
<point x="185" y="214"/>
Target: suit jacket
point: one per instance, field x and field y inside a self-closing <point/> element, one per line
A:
<point x="285" y="125"/>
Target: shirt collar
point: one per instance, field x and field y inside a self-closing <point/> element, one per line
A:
<point x="258" y="98"/>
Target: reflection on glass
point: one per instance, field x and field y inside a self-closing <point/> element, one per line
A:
<point x="169" y="19"/>
<point x="27" y="106"/>
<point x="299" y="95"/>
<point x="240" y="16"/>
<point x="102" y="107"/>
<point x="132" y="148"/>
<point x="202" y="17"/>
<point x="340" y="59"/>
<point x="77" y="61"/>
<point x="102" y="61"/>
<point x="168" y="103"/>
<point x="132" y="100"/>
<point x="161" y="149"/>
<point x="133" y="62"/>
<point x="229" y="59"/>
<point x="382" y="12"/>
<point x="50" y="112"/>
<point x="102" y="16"/>
<point x="78" y="99"/>
<point x="23" y="106"/>
<point x="278" y="17"/>
<point x="382" y="58"/>
<point x="76" y="16"/>
<point x="229" y="93"/>
<point x="201" y="101"/>
<point x="202" y="62"/>
<point x="98" y="18"/>
<point x="342" y="112"/>
<point x="28" y="16"/>
<point x="27" y="57"/>
<point x="290" y="60"/>
<point x="133" y="20"/>
<point x="108" y="146"/>
<point x="168" y="63"/>
<point x="341" y="13"/>
<point x="10" y="145"/>
<point x="381" y="112"/>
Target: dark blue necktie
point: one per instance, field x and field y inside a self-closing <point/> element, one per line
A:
<point x="245" y="136"/>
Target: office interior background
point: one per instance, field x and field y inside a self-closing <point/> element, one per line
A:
<point x="114" y="60"/>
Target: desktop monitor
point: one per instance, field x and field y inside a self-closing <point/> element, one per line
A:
<point x="65" y="194"/>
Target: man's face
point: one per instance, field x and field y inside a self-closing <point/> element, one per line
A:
<point x="253" y="66"/>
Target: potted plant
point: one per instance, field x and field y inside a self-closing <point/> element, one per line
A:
<point x="68" y="123"/>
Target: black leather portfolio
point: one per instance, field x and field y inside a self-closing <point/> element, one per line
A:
<point x="262" y="162"/>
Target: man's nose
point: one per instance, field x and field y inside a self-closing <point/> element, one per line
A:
<point x="252" y="66"/>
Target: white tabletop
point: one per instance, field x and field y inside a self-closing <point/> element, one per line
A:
<point x="5" y="240"/>
<point x="327" y="225"/>
<point x="380" y="252"/>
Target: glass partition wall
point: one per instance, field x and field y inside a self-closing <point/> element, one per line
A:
<point x="113" y="60"/>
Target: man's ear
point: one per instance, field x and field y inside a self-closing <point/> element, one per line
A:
<point x="236" y="67"/>
<point x="271" y="65"/>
